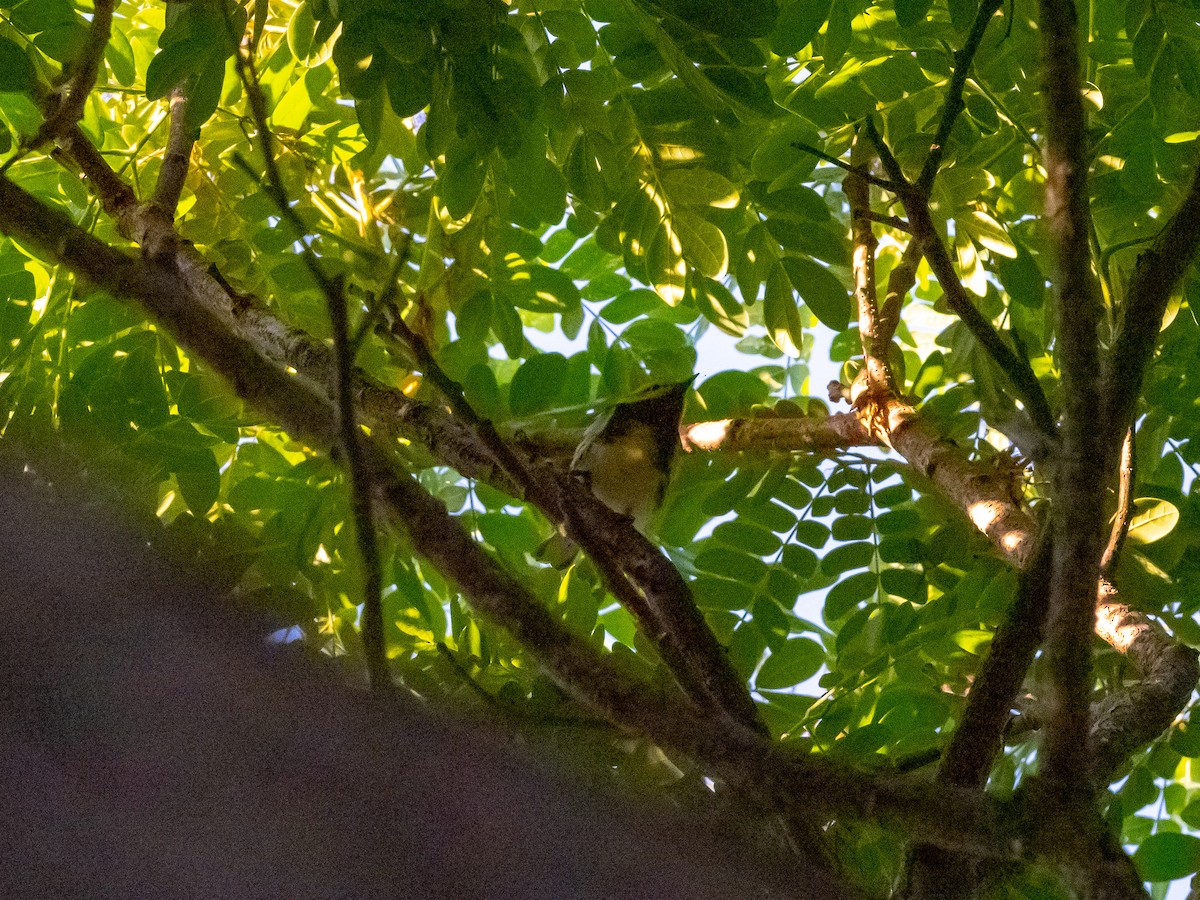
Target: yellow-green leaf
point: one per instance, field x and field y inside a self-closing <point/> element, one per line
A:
<point x="780" y="314"/>
<point x="989" y="233"/>
<point x="700" y="187"/>
<point x="703" y="243"/>
<point x="1153" y="520"/>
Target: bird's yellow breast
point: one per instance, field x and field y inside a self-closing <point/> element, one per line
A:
<point x="624" y="474"/>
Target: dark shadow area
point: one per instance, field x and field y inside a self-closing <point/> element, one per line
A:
<point x="152" y="745"/>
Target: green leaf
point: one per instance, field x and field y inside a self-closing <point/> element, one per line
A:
<point x="1166" y="856"/>
<point x="930" y="376"/>
<point x="912" y="12"/>
<point x="747" y="536"/>
<point x="848" y="593"/>
<point x="475" y="318"/>
<point x="1153" y="520"/>
<point x="821" y="290"/>
<point x="797" y="25"/>
<point x="796" y="660"/>
<point x="461" y="181"/>
<point x="988" y="233"/>
<point x="537" y="384"/>
<point x="814" y="534"/>
<point x="119" y="55"/>
<point x="16" y="71"/>
<point x="204" y="92"/>
<point x="703" y="243"/>
<point x="409" y="88"/>
<point x="538" y="184"/>
<point x="749" y="570"/>
<point x="717" y="304"/>
<point x="174" y="63"/>
<point x="1147" y="43"/>
<point x="199" y="482"/>
<point x="700" y="187"/>
<point x="539" y="288"/>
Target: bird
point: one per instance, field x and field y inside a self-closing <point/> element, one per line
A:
<point x="625" y="455"/>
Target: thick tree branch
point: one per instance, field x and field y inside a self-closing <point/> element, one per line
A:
<point x="636" y="571"/>
<point x="1081" y="474"/>
<point x="738" y="754"/>
<point x="1158" y="273"/>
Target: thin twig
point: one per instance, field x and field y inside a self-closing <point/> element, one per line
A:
<point x="954" y="93"/>
<point x="361" y="482"/>
<point x="892" y="221"/>
<point x="900" y="281"/>
<point x="1126" y="482"/>
<point x="919" y="217"/>
<point x="833" y="160"/>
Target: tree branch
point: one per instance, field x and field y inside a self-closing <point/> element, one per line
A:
<point x="1126" y="483"/>
<point x="953" y="106"/>
<point x="878" y="379"/>
<point x="1158" y="272"/>
<point x="809" y="434"/>
<point x="916" y="208"/>
<point x="1081" y="474"/>
<point x="848" y="167"/>
<point x="63" y="107"/>
<point x="636" y="571"/>
<point x="176" y="158"/>
<point x="739" y="755"/>
<point x="349" y="434"/>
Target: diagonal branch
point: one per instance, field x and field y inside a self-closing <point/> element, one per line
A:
<point x="954" y="93"/>
<point x="1126" y="484"/>
<point x="1158" y="273"/>
<point x="741" y="756"/>
<point x="63" y="107"/>
<point x="637" y="572"/>
<point x="916" y="207"/>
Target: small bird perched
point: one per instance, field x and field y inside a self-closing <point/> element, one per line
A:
<point x="626" y="455"/>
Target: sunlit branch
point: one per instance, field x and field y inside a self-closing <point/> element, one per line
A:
<point x="1126" y="482"/>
